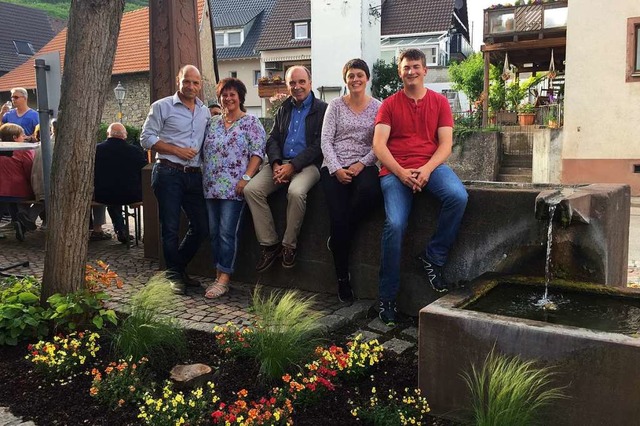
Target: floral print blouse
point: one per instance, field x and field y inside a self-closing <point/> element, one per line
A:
<point x="226" y="154"/>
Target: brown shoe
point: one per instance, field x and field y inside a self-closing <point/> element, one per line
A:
<point x="268" y="255"/>
<point x="288" y="257"/>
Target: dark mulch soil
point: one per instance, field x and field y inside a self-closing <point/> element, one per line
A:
<point x="32" y="397"/>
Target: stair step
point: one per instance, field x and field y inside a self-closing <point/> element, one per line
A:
<point x="514" y="178"/>
<point x="509" y="170"/>
<point x="516" y="161"/>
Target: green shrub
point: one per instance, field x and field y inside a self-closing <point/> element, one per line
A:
<point x="385" y="80"/>
<point x="145" y="332"/>
<point x="510" y="392"/>
<point x="21" y="316"/>
<point x="410" y="408"/>
<point x="285" y="332"/>
<point x="80" y="310"/>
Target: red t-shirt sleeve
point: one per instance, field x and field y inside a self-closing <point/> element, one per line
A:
<point x="384" y="113"/>
<point x="445" y="119"/>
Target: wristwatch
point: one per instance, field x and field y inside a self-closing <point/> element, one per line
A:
<point x="246" y="178"/>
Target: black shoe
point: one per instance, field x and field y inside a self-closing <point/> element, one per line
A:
<point x="288" y="257"/>
<point x="190" y="282"/>
<point x="19" y="231"/>
<point x="124" y="237"/>
<point x="434" y="274"/>
<point x="387" y="312"/>
<point x="345" y="293"/>
<point x="25" y="222"/>
<point x="268" y="256"/>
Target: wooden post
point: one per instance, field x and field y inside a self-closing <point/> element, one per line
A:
<point x="485" y="89"/>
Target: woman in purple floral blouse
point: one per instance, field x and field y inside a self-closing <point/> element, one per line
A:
<point x="233" y="150"/>
<point x="349" y="173"/>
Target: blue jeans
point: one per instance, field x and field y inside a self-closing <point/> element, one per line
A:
<point x="178" y="191"/>
<point x="224" y="227"/>
<point x="398" y="199"/>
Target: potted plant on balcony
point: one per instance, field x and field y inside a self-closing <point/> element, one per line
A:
<point x="526" y="114"/>
<point x="268" y="87"/>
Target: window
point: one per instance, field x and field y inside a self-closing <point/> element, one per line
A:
<point x="256" y="77"/>
<point x="233" y="74"/>
<point x="229" y="38"/>
<point x="219" y="39"/>
<point x="633" y="50"/>
<point x="24" y="47"/>
<point x="235" y="38"/>
<point x="301" y="30"/>
<point x="431" y="54"/>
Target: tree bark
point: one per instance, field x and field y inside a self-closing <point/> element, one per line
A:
<point x="92" y="36"/>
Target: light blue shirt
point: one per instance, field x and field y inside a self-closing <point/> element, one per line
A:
<point x="171" y="121"/>
<point x="296" y="141"/>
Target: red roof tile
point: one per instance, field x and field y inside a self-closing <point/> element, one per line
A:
<point x="132" y="54"/>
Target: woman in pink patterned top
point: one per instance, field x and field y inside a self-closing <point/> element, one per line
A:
<point x="349" y="172"/>
<point x="232" y="152"/>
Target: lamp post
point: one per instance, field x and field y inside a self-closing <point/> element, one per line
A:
<point x="120" y="92"/>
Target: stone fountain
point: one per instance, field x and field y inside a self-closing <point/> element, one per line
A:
<point x="599" y="369"/>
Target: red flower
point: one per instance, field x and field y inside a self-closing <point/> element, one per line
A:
<point x="217" y="415"/>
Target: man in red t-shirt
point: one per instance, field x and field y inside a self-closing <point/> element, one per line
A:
<point x="413" y="138"/>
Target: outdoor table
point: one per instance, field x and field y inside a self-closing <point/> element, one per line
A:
<point x="6" y="149"/>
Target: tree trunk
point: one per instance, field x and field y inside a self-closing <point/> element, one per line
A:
<point x="92" y="36"/>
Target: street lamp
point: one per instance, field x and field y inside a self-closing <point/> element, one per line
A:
<point x="120" y="92"/>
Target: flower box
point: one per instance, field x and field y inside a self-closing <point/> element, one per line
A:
<point x="267" y="89"/>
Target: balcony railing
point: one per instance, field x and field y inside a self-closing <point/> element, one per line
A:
<point x="531" y="18"/>
<point x="459" y="47"/>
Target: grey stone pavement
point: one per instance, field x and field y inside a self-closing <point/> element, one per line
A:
<point x="193" y="310"/>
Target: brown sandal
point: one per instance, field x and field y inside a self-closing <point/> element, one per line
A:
<point x="216" y="290"/>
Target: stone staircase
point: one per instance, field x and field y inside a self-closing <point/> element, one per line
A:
<point x="517" y="154"/>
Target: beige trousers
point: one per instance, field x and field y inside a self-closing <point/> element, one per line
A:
<point x="261" y="186"/>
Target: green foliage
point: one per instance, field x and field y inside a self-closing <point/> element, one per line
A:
<point x="527" y="108"/>
<point x="385" y="79"/>
<point x="145" y="332"/>
<point x="80" y="310"/>
<point x="517" y="91"/>
<point x="285" y="331"/>
<point x="120" y="383"/>
<point x="133" y="133"/>
<point x="175" y="408"/>
<point x="411" y="408"/>
<point x="59" y="9"/>
<point x="497" y="90"/>
<point x="468" y="76"/>
<point x="21" y="315"/>
<point x="510" y="391"/>
<point x="64" y="355"/>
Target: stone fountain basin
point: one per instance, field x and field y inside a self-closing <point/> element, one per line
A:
<point x="601" y="370"/>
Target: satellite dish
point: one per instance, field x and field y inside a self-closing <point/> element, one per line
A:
<point x="459" y="4"/>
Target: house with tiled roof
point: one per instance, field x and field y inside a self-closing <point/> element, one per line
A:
<point x="25" y="31"/>
<point x="238" y="25"/>
<point x="323" y="35"/>
<point x="130" y="68"/>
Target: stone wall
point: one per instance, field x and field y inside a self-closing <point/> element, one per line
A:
<point x="136" y="102"/>
<point x="476" y="156"/>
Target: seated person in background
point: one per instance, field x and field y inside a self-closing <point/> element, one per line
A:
<point x="215" y="108"/>
<point x="15" y="174"/>
<point x="117" y="176"/>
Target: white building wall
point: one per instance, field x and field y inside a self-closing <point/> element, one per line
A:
<point x="342" y="30"/>
<point x="601" y="110"/>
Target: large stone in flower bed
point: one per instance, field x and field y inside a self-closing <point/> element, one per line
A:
<point x="191" y="376"/>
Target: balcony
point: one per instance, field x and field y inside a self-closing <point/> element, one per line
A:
<point x="525" y="22"/>
<point x="459" y="47"/>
